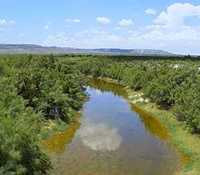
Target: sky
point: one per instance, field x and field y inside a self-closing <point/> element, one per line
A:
<point x="171" y="25"/>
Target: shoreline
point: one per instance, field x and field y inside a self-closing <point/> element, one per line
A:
<point x="186" y="144"/>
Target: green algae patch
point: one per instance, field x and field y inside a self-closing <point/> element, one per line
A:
<point x="152" y="124"/>
<point x="56" y="143"/>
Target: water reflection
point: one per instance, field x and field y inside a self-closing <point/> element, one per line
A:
<point x="98" y="92"/>
<point x="104" y="86"/>
<point x="100" y="137"/>
<point x="114" y="138"/>
<point x="151" y="124"/>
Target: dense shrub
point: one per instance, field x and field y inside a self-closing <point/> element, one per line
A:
<point x="55" y="90"/>
<point x="171" y="82"/>
<point x="19" y="128"/>
<point x="33" y="89"/>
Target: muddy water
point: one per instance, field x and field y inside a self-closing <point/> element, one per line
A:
<point x="112" y="138"/>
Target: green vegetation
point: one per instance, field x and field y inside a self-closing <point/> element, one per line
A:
<point x="171" y="88"/>
<point x="172" y="83"/>
<point x="33" y="89"/>
<point x="36" y="90"/>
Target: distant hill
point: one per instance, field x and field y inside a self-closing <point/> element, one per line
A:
<point x="37" y="49"/>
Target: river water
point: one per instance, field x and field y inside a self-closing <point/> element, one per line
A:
<point x="111" y="138"/>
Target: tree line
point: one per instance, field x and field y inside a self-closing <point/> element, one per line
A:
<point x="173" y="83"/>
<point x="33" y="89"/>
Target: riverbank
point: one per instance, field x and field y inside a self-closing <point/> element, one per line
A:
<point x="51" y="128"/>
<point x="187" y="144"/>
<point x="113" y="138"/>
<point x="57" y="140"/>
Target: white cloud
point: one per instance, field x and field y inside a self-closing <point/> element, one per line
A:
<point x="72" y="20"/>
<point x="150" y="11"/>
<point x="103" y="20"/>
<point x="176" y="14"/>
<point x="6" y="23"/>
<point x="76" y="20"/>
<point x="126" y="23"/>
<point x="60" y="39"/>
<point x="169" y="31"/>
<point x="85" y="39"/>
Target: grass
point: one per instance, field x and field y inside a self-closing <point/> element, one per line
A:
<point x="186" y="143"/>
<point x="56" y="134"/>
<point x="52" y="127"/>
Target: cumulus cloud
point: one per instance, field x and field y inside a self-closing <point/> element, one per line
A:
<point x="6" y="23"/>
<point x="100" y="137"/>
<point x="168" y="31"/>
<point x="103" y="20"/>
<point x="126" y="23"/>
<point x="150" y="11"/>
<point x="86" y="38"/>
<point x="72" y="20"/>
<point x="176" y="13"/>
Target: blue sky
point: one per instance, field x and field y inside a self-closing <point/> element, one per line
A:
<point x="162" y="24"/>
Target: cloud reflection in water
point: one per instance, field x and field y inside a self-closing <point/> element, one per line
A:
<point x="100" y="137"/>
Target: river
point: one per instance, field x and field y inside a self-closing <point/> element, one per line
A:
<point x="112" y="137"/>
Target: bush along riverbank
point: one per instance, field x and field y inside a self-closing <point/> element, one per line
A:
<point x="167" y="88"/>
<point x="35" y="91"/>
<point x="41" y="95"/>
<point x="187" y="144"/>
